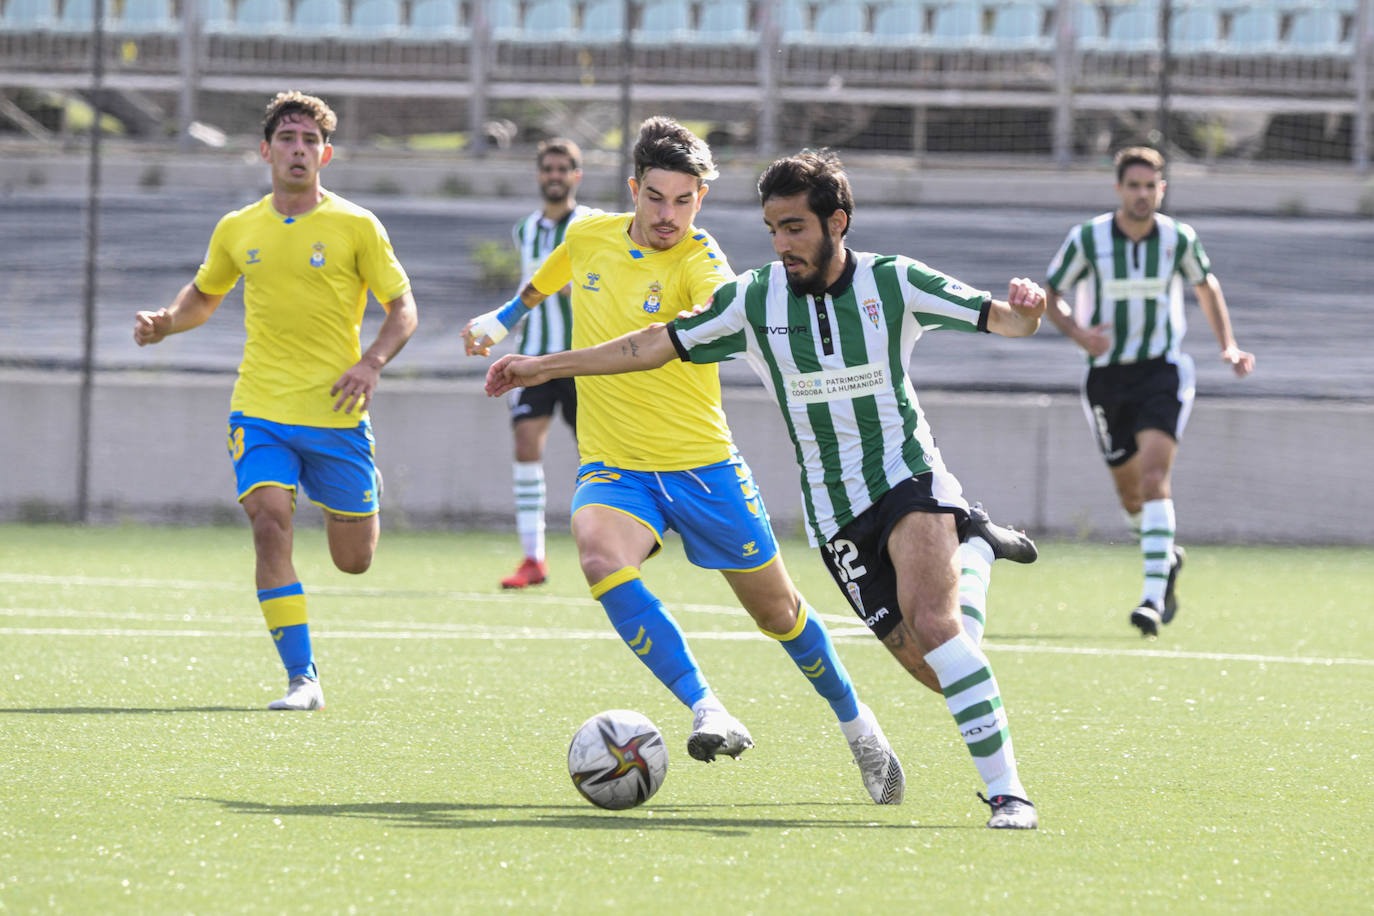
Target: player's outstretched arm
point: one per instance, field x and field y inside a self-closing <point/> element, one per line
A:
<point x="1213" y="304"/>
<point x="1019" y="315"/>
<point x="1095" y="340"/>
<point x="490" y="328"/>
<point x="190" y="309"/>
<point x="356" y="385"/>
<point x="647" y="348"/>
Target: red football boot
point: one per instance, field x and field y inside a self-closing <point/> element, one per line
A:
<point x="530" y="572"/>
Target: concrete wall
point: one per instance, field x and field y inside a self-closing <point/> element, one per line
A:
<point x="1248" y="471"/>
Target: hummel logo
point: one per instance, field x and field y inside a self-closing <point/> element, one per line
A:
<point x="253" y="256"/>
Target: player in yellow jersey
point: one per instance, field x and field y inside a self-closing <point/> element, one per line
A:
<point x="657" y="454"/>
<point x="298" y="416"/>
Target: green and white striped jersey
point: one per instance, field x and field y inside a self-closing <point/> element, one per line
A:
<point x="1136" y="287"/>
<point x="837" y="366"/>
<point x="548" y="326"/>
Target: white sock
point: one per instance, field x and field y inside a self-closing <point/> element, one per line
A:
<point x="975" y="574"/>
<point x="1156" y="547"/>
<point x="973" y="698"/>
<point x="530" y="497"/>
<point x="1132" y="521"/>
<point x="860" y="725"/>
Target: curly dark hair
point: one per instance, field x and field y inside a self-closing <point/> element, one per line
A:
<point x="293" y="102"/>
<point x="818" y="174"/>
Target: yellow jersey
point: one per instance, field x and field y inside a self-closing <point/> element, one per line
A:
<point x="305" y="283"/>
<point x="666" y="419"/>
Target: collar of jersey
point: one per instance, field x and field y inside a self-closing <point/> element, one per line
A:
<point x="1154" y="230"/>
<point x="846" y="280"/>
<point x="324" y="196"/>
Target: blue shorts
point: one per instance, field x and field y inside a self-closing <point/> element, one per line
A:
<point x="336" y="467"/>
<point x="716" y="509"/>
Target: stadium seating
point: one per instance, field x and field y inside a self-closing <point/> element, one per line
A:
<point x="794" y="18"/>
<point x="1088" y="31"/>
<point x="663" y="20"/>
<point x="260" y="17"/>
<point x="1254" y="30"/>
<point x="1314" y="30"/>
<point x="503" y="18"/>
<point x="1133" y="26"/>
<point x="840" y="22"/>
<point x="318" y="17"/>
<point x="1017" y="24"/>
<point x="1195" y="28"/>
<point x="28" y="16"/>
<point x="899" y="22"/>
<point x="145" y="17"/>
<point x="548" y="20"/>
<point x="77" y="15"/>
<point x="603" y="22"/>
<point x="435" y="19"/>
<point x="724" y="22"/>
<point x="374" y="19"/>
<point x="957" y="24"/>
<point x="216" y="16"/>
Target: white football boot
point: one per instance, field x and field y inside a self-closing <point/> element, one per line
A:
<point x="715" y="731"/>
<point x="303" y="693"/>
<point x="878" y="763"/>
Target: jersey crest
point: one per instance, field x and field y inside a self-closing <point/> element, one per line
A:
<point x="870" y="307"/>
<point x="317" y="258"/>
<point x="653" y="300"/>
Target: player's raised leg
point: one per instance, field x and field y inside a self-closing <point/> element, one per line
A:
<point x="923" y="547"/>
<point x="984" y="543"/>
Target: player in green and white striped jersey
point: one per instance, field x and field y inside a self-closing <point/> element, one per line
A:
<point x="547" y="329"/>
<point x="830" y="331"/>
<point x="1127" y="269"/>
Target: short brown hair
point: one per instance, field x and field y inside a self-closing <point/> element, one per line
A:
<point x="559" y="146"/>
<point x="665" y="144"/>
<point x="293" y="102"/>
<point x="1137" y="155"/>
<point x="818" y="174"/>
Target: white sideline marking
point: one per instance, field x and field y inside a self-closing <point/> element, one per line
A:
<point x="842" y="627"/>
<point x="243" y="629"/>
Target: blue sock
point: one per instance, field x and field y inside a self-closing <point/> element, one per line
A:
<point x="284" y="610"/>
<point x="651" y="633"/>
<point x="811" y="649"/>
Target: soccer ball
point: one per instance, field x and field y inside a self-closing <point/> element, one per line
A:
<point x="617" y="759"/>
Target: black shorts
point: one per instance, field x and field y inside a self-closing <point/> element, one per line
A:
<point x="543" y="400"/>
<point x="857" y="555"/>
<point x="1120" y="400"/>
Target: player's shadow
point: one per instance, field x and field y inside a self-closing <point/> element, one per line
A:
<point x="476" y="816"/>
<point x="119" y="710"/>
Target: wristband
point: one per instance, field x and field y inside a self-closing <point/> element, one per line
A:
<point x="511" y="313"/>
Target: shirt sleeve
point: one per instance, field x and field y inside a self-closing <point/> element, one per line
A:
<point x="556" y="271"/>
<point x="706" y="271"/>
<point x="718" y="332"/>
<point x="378" y="265"/>
<point x="1070" y="264"/>
<point x="1192" y="260"/>
<point x="939" y="301"/>
<point x="218" y="273"/>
